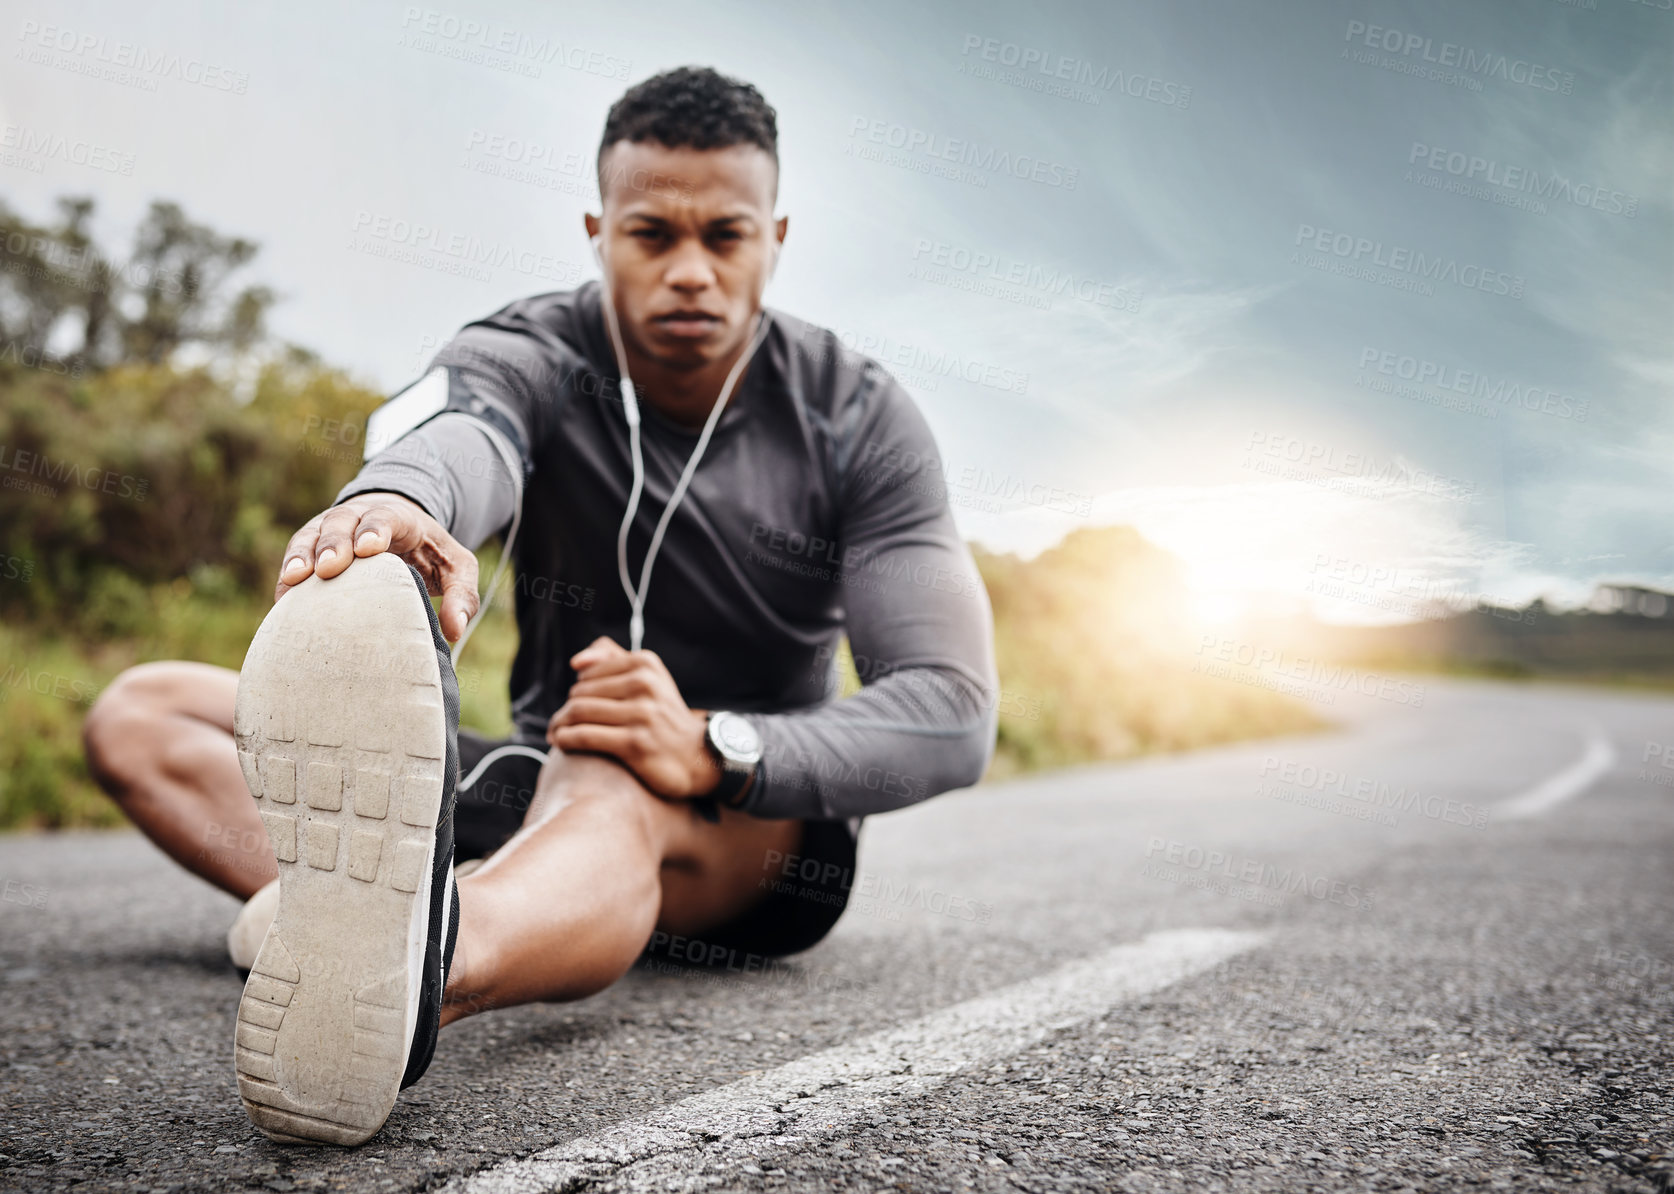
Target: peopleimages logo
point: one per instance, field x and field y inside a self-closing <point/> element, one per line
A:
<point x="1288" y="879"/>
<point x="399" y="239"/>
<point x="1382" y="586"/>
<point x="37" y="257"/>
<point x="1475" y="385"/>
<point x="962" y="151"/>
<point x="1483" y="63"/>
<point x="480" y="37"/>
<point x="45" y="683"/>
<point x="1303" y="460"/>
<point x="1029" y="60"/>
<point x="912" y="364"/>
<point x="32" y="356"/>
<point x="999" y="268"/>
<point x="24" y="464"/>
<point x="121" y="61"/>
<point x="1223" y="657"/>
<point x="820" y="558"/>
<point x="1364" y="790"/>
<point x="44" y="145"/>
<point x="1554" y="186"/>
<point x="1362" y="253"/>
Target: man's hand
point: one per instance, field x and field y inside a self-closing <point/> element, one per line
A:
<point x="370" y="523"/>
<point x="625" y="704"/>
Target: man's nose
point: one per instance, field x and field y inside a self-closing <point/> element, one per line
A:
<point x="690" y="270"/>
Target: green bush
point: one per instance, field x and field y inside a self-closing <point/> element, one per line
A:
<point x="1095" y="660"/>
<point x="142" y="474"/>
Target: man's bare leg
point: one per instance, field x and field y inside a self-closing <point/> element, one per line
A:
<point x="563" y="909"/>
<point x="159" y="741"/>
<point x="560" y="912"/>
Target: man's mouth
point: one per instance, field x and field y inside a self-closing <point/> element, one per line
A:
<point x="687" y="323"/>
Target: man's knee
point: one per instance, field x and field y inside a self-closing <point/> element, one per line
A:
<point x="596" y="785"/>
<point x="120" y="732"/>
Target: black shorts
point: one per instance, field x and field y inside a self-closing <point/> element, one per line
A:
<point x="806" y="892"/>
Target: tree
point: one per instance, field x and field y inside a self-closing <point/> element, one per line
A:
<point x="57" y="285"/>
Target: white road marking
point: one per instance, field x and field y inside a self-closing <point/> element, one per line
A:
<point x="1598" y="757"/>
<point x="712" y="1135"/>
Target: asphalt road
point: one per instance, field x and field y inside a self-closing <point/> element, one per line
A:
<point x="1432" y="949"/>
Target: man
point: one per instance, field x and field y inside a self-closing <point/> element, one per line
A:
<point x="780" y="490"/>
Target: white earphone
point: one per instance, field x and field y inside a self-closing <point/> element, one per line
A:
<point x="630" y="410"/>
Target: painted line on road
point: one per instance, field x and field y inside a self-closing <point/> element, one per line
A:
<point x="1596" y="758"/>
<point x="715" y="1134"/>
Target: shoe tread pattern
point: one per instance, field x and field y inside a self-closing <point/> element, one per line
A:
<point x="341" y="737"/>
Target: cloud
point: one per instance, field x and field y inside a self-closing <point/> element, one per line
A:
<point x="1094" y="363"/>
<point x="1605" y="274"/>
<point x="1346" y="549"/>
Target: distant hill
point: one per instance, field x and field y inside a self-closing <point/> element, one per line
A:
<point x="1625" y="633"/>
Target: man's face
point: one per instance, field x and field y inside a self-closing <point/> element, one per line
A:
<point x="687" y="239"/>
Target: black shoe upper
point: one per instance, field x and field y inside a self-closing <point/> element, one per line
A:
<point x="440" y="934"/>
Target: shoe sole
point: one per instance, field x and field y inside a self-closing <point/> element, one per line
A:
<point x="341" y="736"/>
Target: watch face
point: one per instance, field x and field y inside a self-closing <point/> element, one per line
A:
<point x="735" y="738"/>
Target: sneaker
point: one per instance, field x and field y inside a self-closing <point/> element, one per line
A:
<point x="249" y="927"/>
<point x="347" y="725"/>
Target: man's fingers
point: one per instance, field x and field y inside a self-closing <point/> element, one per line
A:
<point x="626" y="685"/>
<point x="613" y="665"/>
<point x="371" y="524"/>
<point x="597" y="710"/>
<point x="618" y="741"/>
<point x="375" y="532"/>
<point x="334" y="549"/>
<point x="597" y="651"/>
<point x="460" y="601"/>
<point x="298" y="563"/>
<point x="459" y="596"/>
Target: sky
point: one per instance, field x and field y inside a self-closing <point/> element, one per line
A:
<point x="1349" y="305"/>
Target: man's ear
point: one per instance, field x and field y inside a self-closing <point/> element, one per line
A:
<point x="780" y="227"/>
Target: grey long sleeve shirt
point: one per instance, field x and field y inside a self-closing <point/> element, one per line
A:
<point x="818" y="509"/>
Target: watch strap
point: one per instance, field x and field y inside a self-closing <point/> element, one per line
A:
<point x="734" y="780"/>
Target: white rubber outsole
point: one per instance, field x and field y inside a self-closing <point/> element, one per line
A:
<point x="342" y="738"/>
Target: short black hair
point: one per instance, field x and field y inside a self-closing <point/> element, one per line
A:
<point x="691" y="107"/>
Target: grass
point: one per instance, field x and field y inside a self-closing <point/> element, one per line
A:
<point x="50" y="681"/>
<point x="1091" y="656"/>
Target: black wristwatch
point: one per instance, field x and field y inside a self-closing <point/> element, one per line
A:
<point x="736" y="748"/>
